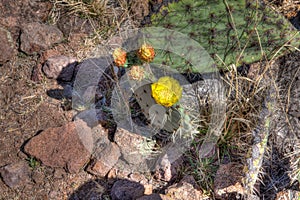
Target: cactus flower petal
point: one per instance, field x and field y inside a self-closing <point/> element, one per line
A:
<point x="119" y="56"/>
<point x="137" y="73"/>
<point x="146" y="53"/>
<point x="166" y="91"/>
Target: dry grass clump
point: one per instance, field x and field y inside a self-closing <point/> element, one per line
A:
<point x="250" y="94"/>
<point x="289" y="8"/>
<point x="105" y="17"/>
<point x="84" y="8"/>
<point x="107" y="12"/>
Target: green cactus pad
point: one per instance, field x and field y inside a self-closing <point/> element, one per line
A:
<point x="232" y="31"/>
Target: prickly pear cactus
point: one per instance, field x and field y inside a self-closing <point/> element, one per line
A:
<point x="232" y="31"/>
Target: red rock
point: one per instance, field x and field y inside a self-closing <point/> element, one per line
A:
<point x="7" y="47"/>
<point x="68" y="146"/>
<point x="25" y="10"/>
<point x="115" y="173"/>
<point x="36" y="37"/>
<point x="9" y="21"/>
<point x="185" y="189"/>
<point x="37" y="70"/>
<point x="228" y="180"/>
<point x="48" y="54"/>
<point x="60" y="67"/>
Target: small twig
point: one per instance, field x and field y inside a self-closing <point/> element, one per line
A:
<point x="233" y="24"/>
<point x="289" y="90"/>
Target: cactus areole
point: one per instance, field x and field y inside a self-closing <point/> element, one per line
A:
<point x="232" y="31"/>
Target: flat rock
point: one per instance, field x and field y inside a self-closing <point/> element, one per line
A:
<point x="105" y="160"/>
<point x="36" y="37"/>
<point x="7" y="49"/>
<point x="68" y="146"/>
<point x="16" y="174"/>
<point x="59" y="67"/>
<point x="90" y="70"/>
<point x="131" y="150"/>
<point x="126" y="190"/>
<point x="167" y="168"/>
<point x="186" y="189"/>
<point x="105" y="152"/>
<point x="37" y="73"/>
<point x="228" y="180"/>
<point x="155" y="197"/>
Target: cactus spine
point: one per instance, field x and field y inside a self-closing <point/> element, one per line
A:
<point x="232" y="31"/>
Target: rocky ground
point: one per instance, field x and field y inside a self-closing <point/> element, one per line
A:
<point x="41" y="155"/>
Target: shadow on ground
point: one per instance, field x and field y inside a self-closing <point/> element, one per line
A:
<point x="121" y="190"/>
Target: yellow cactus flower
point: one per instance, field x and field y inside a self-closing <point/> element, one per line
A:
<point x="137" y="73"/>
<point x="146" y="53"/>
<point x="166" y="91"/>
<point x="119" y="56"/>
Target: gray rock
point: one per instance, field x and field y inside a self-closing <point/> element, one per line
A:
<point x="126" y="190"/>
<point x="15" y="175"/>
<point x="36" y="37"/>
<point x="154" y="197"/>
<point x="91" y="190"/>
<point x="67" y="92"/>
<point x="7" y="49"/>
<point x="105" y="160"/>
<point x="131" y="147"/>
<point x="60" y="67"/>
<point x="105" y="153"/>
<point x="92" y="117"/>
<point x="69" y="146"/>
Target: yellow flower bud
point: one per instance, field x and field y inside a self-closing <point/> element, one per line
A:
<point x="146" y="53"/>
<point x="119" y="56"/>
<point x="166" y="91"/>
